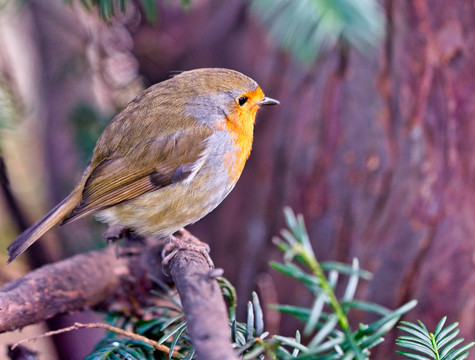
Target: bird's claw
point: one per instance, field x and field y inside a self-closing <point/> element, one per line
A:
<point x="185" y="241"/>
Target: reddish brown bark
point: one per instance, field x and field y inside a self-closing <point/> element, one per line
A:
<point x="375" y="151"/>
<point x="59" y="288"/>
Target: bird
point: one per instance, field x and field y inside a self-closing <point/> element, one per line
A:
<point x="167" y="159"/>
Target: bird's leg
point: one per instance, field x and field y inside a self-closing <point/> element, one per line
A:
<point x="114" y="233"/>
<point x="117" y="232"/>
<point x="185" y="241"/>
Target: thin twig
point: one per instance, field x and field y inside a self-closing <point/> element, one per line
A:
<point x="163" y="348"/>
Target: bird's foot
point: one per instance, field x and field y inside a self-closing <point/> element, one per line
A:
<point x="185" y="241"/>
<point x="114" y="233"/>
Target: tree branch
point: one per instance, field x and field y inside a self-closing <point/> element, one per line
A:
<point x="101" y="279"/>
<point x="205" y="311"/>
<point x="62" y="287"/>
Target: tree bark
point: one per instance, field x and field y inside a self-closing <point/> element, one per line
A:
<point x="78" y="282"/>
<point x="205" y="311"/>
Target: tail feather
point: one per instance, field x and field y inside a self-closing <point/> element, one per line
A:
<point x="34" y="232"/>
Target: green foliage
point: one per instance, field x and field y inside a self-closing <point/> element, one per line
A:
<point x="166" y="326"/>
<point x="439" y="345"/>
<point x="112" y="349"/>
<point x="308" y="27"/>
<point x="304" y="27"/>
<point x="109" y="8"/>
<point x="326" y="323"/>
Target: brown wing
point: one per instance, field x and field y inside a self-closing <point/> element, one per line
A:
<point x="153" y="164"/>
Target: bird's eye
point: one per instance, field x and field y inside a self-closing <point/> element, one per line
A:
<point x="242" y="100"/>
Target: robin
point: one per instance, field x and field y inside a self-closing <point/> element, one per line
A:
<point x="167" y="159"/>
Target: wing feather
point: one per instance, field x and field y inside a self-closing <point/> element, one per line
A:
<point x="152" y="165"/>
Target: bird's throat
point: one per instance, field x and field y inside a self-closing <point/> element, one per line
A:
<point x="241" y="129"/>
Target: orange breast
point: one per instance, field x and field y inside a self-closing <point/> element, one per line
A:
<point x="240" y="124"/>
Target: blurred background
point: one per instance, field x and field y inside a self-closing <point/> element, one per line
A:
<point x="373" y="142"/>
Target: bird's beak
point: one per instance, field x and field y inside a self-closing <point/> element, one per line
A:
<point x="267" y="101"/>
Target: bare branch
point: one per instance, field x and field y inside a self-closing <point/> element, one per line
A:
<point x="100" y="278"/>
<point x="62" y="287"/>
<point x="204" y="307"/>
